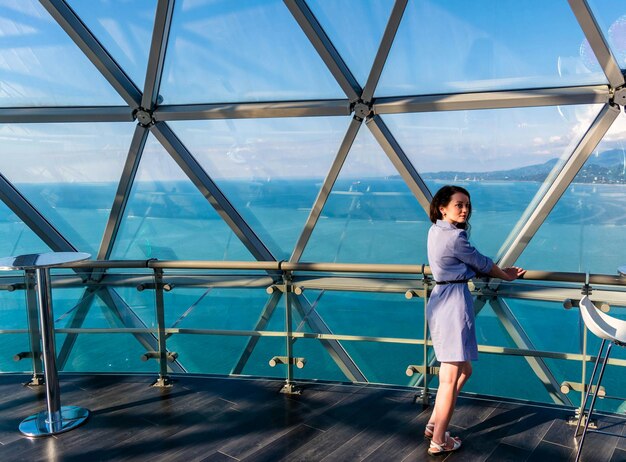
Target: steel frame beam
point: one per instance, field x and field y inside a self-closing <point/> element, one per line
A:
<point x="335" y="107"/>
<point x="522" y="341"/>
<point x="40" y="115"/>
<point x="76" y="321"/>
<point x="591" y="94"/>
<point x="97" y="54"/>
<point x="402" y="163"/>
<point x="598" y="43"/>
<point x="524" y="231"/>
<point x="333" y="347"/>
<point x="32" y="218"/>
<point x="123" y="192"/>
<point x="264" y="318"/>
<point x="327" y="51"/>
<point x="326" y="189"/>
<point x="383" y="50"/>
<point x="158" y="47"/>
<point x="129" y="318"/>
<point x="210" y="190"/>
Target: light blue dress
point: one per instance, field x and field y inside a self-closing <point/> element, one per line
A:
<point x="450" y="309"/>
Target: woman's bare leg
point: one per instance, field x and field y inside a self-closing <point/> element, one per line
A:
<point x="452" y="378"/>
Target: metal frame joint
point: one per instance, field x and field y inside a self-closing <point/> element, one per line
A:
<point x="144" y="117"/>
<point x="362" y="110"/>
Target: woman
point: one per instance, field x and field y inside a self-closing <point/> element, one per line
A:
<point x="450" y="310"/>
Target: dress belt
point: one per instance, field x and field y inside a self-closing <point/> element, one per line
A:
<point x="457" y="281"/>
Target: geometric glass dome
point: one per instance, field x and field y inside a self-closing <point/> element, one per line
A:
<point x="314" y="131"/>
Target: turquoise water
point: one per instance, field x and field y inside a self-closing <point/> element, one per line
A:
<point x="371" y="220"/>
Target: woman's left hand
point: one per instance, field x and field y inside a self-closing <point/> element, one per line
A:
<point x="514" y="272"/>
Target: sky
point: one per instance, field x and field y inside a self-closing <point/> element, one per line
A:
<point x="224" y="51"/>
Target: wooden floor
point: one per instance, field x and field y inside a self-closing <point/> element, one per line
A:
<point x="213" y="419"/>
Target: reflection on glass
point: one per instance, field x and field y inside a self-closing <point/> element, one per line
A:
<point x="611" y="16"/>
<point x="69" y="172"/>
<point x="271" y="170"/>
<point x="241" y="51"/>
<point x="355" y="27"/>
<point x="586" y="227"/>
<point x="169" y="219"/>
<point x="453" y="46"/>
<point x="501" y="156"/>
<point x="40" y="65"/>
<point x="371" y="216"/>
<point x="124" y="27"/>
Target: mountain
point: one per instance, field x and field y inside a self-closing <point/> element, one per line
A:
<point x="607" y="167"/>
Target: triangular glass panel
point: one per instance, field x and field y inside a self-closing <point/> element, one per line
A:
<point x="371" y="215"/>
<point x="355" y="28"/>
<point x="124" y="28"/>
<point x="168" y="218"/>
<point x="503" y="157"/>
<point x="611" y="16"/>
<point x="271" y="170"/>
<point x="453" y="47"/>
<point x="68" y="172"/>
<point x="587" y="224"/>
<point x="241" y="51"/>
<point x="42" y="66"/>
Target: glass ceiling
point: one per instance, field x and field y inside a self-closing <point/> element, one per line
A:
<point x="310" y="130"/>
<point x="291" y="127"/>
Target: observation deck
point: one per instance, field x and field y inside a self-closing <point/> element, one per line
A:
<point x="293" y="378"/>
<point x="228" y="419"/>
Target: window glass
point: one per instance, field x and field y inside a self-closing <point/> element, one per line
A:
<point x="611" y="17"/>
<point x="454" y="46"/>
<point x="588" y="222"/>
<point x="271" y="170"/>
<point x="241" y="51"/>
<point x="124" y="27"/>
<point x="18" y="238"/>
<point x="501" y="156"/>
<point x="370" y="216"/>
<point x="355" y="27"/>
<point x="169" y="219"/>
<point x="40" y="65"/>
<point x="68" y="172"/>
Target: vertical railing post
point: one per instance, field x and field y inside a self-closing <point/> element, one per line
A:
<point x="34" y="333"/>
<point x="163" y="380"/>
<point x="289" y="387"/>
<point x="425" y="390"/>
<point x="586" y="290"/>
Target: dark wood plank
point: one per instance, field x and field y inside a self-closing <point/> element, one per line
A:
<point x="508" y="453"/>
<point x="618" y="456"/>
<point x="226" y="419"/>
<point x="546" y="451"/>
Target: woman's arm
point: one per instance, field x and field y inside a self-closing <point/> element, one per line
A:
<point x="507" y="274"/>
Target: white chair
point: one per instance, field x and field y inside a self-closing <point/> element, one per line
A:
<point x="608" y="329"/>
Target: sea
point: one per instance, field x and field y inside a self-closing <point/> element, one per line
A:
<point x="365" y="220"/>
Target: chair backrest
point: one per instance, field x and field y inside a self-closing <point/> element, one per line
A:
<point x="601" y="324"/>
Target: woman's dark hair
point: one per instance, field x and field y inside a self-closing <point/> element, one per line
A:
<point x="442" y="198"/>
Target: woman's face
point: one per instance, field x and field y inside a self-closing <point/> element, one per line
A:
<point x="457" y="209"/>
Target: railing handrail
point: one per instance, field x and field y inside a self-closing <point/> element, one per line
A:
<point x="327" y="267"/>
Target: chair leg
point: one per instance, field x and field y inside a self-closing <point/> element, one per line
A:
<point x="593" y="401"/>
<point x="593" y="374"/>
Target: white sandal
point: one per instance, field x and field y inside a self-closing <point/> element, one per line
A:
<point x="436" y="448"/>
<point x="429" y="431"/>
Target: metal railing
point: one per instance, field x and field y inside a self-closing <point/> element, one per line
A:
<point x="289" y="282"/>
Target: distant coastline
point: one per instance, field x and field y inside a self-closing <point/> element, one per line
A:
<point x="606" y="168"/>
